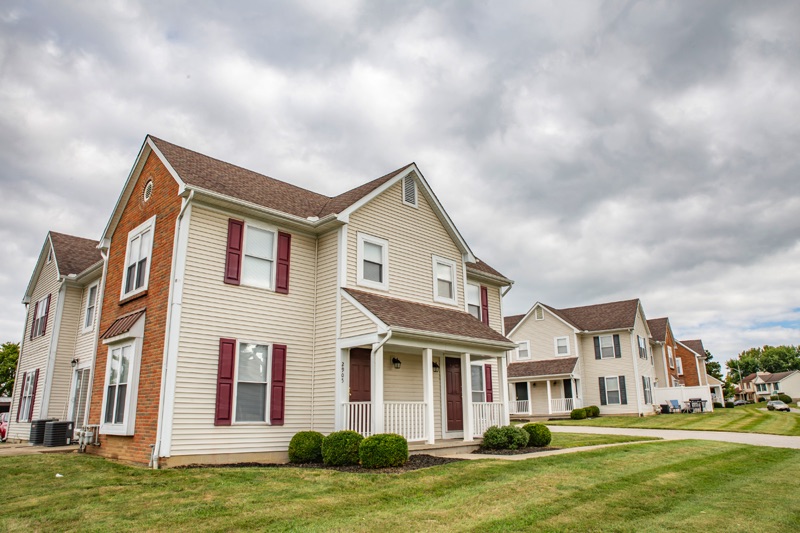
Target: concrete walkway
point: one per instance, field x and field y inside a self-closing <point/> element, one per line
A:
<point x="8" y="449"/>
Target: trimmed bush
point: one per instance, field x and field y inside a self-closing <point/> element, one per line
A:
<point x="729" y="405"/>
<point x="306" y="447"/>
<point x="538" y="435"/>
<point x="774" y="397"/>
<point x="592" y="411"/>
<point x="383" y="450"/>
<point x="578" y="414"/>
<point x="341" y="448"/>
<point x="785" y="398"/>
<point x="505" y="438"/>
<point x="762" y="399"/>
<point x="717" y="405"/>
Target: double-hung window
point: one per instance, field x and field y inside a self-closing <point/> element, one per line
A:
<point x="524" y="350"/>
<point x="642" y="347"/>
<point x="39" y="325"/>
<point x="612" y="390"/>
<point x="648" y="391"/>
<point x="373" y="262"/>
<point x="117" y="388"/>
<point x="121" y="386"/>
<point x="561" y="345"/>
<point x="138" y="258"/>
<point x="91" y="304"/>
<point x="670" y="357"/>
<point x="776" y="386"/>
<point x="478" y="384"/>
<point x="259" y="257"/>
<point x="679" y="364"/>
<point x="252" y="378"/>
<point x="26" y="398"/>
<point x="606" y="346"/>
<point x="474" y="300"/>
<point x="444" y="280"/>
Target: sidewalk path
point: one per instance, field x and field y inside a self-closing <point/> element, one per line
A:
<point x="8" y="449"/>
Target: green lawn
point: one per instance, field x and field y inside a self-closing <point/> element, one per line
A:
<point x="746" y="419"/>
<point x="679" y="486"/>
<point x="574" y="440"/>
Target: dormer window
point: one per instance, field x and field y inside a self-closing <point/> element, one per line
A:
<point x="410" y="191"/>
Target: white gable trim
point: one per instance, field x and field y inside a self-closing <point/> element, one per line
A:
<point x="37" y="271"/>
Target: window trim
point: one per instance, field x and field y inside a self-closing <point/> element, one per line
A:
<point x="39" y="324"/>
<point x="26" y="396"/>
<point x="268" y="400"/>
<point x="96" y="286"/>
<point x="671" y="357"/>
<point x="642" y="345"/>
<point x="528" y="345"/>
<point x="403" y="191"/>
<point x="618" y="390"/>
<point x="384" y="244"/>
<point x="149" y="224"/>
<point x="647" y="390"/>
<point x="679" y="366"/>
<point x="133" y="337"/>
<point x="613" y="350"/>
<point x="479" y="304"/>
<point x="555" y="346"/>
<point x="483" y="381"/>
<point x="436" y="261"/>
<point x="248" y="223"/>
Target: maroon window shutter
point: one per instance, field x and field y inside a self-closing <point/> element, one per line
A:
<point x="284" y="254"/>
<point x="278" y="389"/>
<point x="21" y="393"/>
<point x="225" y="372"/>
<point x="44" y="318"/>
<point x="484" y="305"/>
<point x="233" y="257"/>
<point x="489" y="396"/>
<point x="33" y="393"/>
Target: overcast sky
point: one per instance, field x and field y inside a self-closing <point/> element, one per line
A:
<point x="591" y="151"/>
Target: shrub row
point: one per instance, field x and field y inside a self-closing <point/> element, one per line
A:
<point x="514" y="437"/>
<point x="342" y="448"/>
<point x="585" y="412"/>
<point x="728" y="405"/>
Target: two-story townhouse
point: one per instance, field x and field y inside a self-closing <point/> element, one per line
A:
<point x="591" y="355"/>
<point x="746" y="389"/>
<point x="239" y="309"/>
<point x="690" y="360"/>
<point x="54" y="366"/>
<point x="767" y="384"/>
<point x="664" y="348"/>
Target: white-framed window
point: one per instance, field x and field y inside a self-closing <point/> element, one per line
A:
<point x="642" y="347"/>
<point x="675" y="382"/>
<point x="647" y="390"/>
<point x="538" y="313"/>
<point x="761" y="387"/>
<point x="474" y="300"/>
<point x="50" y="255"/>
<point x="561" y="345"/>
<point x="137" y="258"/>
<point x="444" y="280"/>
<point x="524" y="350"/>
<point x="91" y="305"/>
<point x="612" y="391"/>
<point x="606" y="346"/>
<point x="373" y="262"/>
<point x="253" y="369"/>
<point x="679" y="364"/>
<point x="258" y="256"/>
<point x="478" y="385"/>
<point x="775" y="386"/>
<point x="121" y="384"/>
<point x="410" y="191"/>
<point x="40" y="313"/>
<point x="27" y="397"/>
<point x="670" y="357"/>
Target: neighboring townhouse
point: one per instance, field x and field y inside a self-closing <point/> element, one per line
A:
<point x="746" y="389"/>
<point x="717" y="389"/>
<point x="590" y="355"/>
<point x="690" y="361"/>
<point x="664" y="348"/>
<point x="767" y="384"/>
<point x="239" y="310"/>
<point x="54" y="366"/>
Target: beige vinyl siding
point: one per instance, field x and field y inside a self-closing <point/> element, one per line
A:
<point x="594" y="368"/>
<point x="415" y="235"/>
<point x="645" y="367"/>
<point x="402" y="384"/>
<point x="354" y="322"/>
<point x="84" y="342"/>
<point x="542" y="334"/>
<point x="325" y="350"/>
<point x="65" y="351"/>
<point x="35" y="352"/>
<point x="213" y="310"/>
<point x="494" y="296"/>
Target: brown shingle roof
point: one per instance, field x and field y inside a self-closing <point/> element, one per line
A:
<point x="421" y="317"/>
<point x="777" y="376"/>
<point x="512" y="321"/>
<point x="74" y="254"/>
<point x="600" y="317"/>
<point x="481" y="267"/>
<point x="749" y="378"/>
<point x="123" y="324"/>
<point x="696" y="345"/>
<point x="548" y="367"/>
<point x="224" y="178"/>
<point x="658" y="328"/>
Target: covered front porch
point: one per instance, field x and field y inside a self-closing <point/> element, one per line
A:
<point x="544" y="388"/>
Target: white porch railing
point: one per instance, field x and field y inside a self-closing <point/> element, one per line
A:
<point x="406" y="419"/>
<point x="518" y="407"/>
<point x="358" y="417"/>
<point x="484" y="416"/>
<point x="565" y="405"/>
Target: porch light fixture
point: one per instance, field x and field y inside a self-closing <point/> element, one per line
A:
<point x="435" y="366"/>
<point x="74" y="362"/>
<point x="396" y="362"/>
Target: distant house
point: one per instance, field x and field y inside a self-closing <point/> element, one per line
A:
<point x="767" y="384"/>
<point x="54" y="366"/>
<point x="665" y="348"/>
<point x="691" y="361"/>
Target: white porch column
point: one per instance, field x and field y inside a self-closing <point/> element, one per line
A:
<point x="466" y="387"/>
<point x="376" y="382"/>
<point x="549" y="399"/>
<point x="341" y="393"/>
<point x="502" y="375"/>
<point x="530" y="398"/>
<point x="427" y="393"/>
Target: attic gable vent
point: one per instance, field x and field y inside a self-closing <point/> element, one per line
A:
<point x="148" y="190"/>
<point x="539" y="312"/>
<point x="410" y="191"/>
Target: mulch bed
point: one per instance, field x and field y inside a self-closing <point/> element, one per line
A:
<point x="518" y="451"/>
<point x="415" y="462"/>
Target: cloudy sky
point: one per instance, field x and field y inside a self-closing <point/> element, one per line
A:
<point x="591" y="151"/>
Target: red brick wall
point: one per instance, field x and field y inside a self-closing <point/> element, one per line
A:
<point x="689" y="360"/>
<point x="165" y="204"/>
<point x="671" y="372"/>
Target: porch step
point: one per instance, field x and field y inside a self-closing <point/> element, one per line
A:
<point x="444" y="447"/>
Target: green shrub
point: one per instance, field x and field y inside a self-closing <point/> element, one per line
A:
<point x="383" y="450"/>
<point x="538" y="435"/>
<point x="306" y="447"/>
<point x="341" y="448"/>
<point x="729" y="405"/>
<point x="762" y="399"/>
<point x="505" y="438"/>
<point x="717" y="405"/>
<point x="578" y="414"/>
<point x="785" y="398"/>
<point x="773" y="398"/>
<point x="592" y="411"/>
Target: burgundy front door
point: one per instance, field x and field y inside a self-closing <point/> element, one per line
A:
<point x="359" y="375"/>
<point x="455" y="409"/>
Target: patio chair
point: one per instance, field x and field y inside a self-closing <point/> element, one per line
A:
<point x="675" y="406"/>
